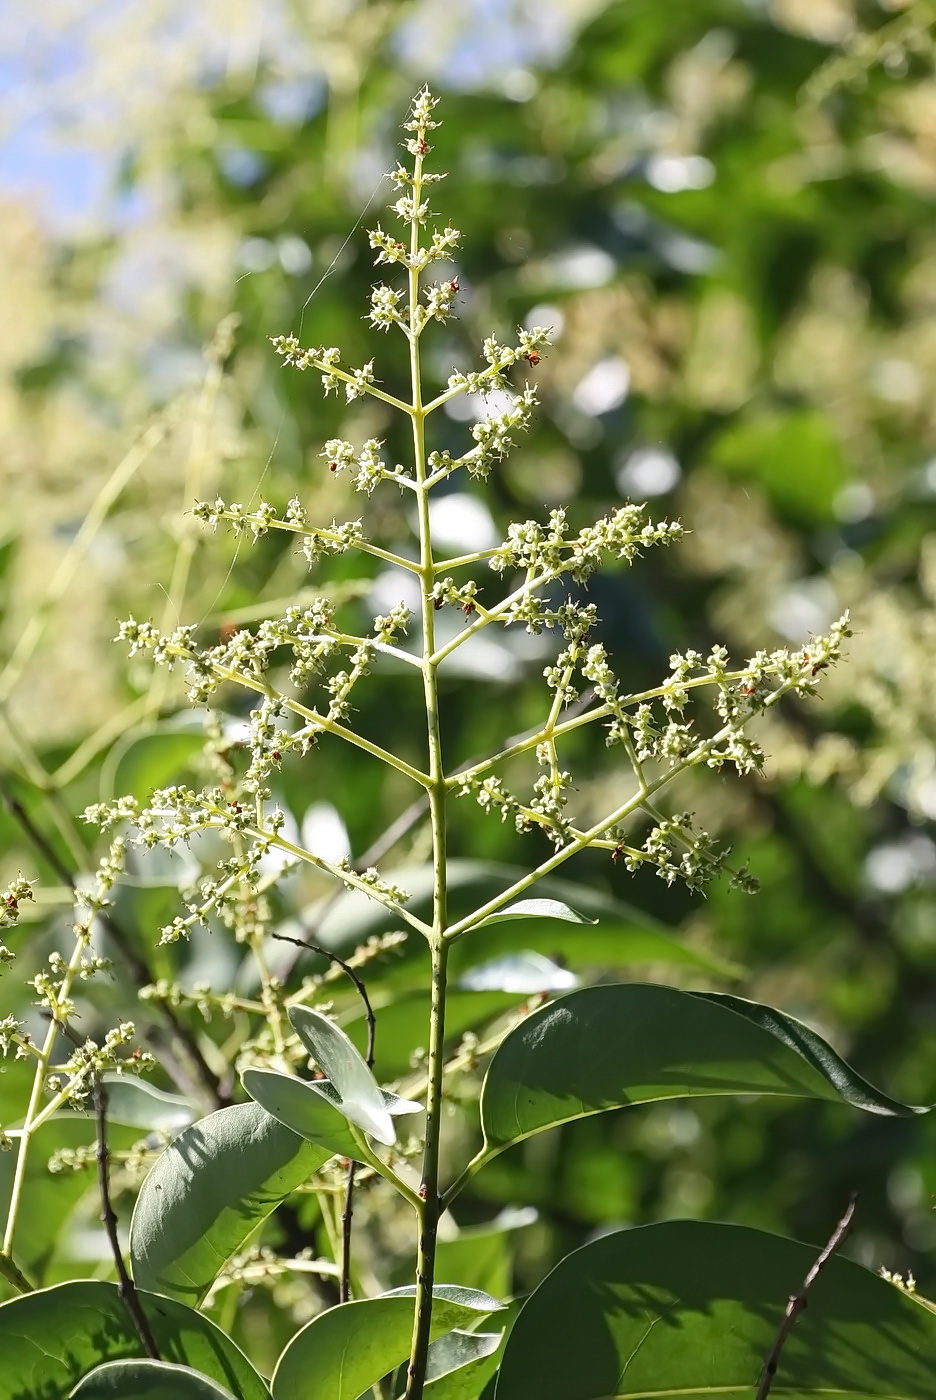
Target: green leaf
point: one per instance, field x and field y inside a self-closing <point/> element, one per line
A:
<point x="816" y="1051"/>
<point x="457" y="1349"/>
<point x="208" y="1191"/>
<point x="138" y="1104"/>
<point x="51" y="1338"/>
<point x="147" y="1380"/>
<point x="627" y="936"/>
<point x="360" y="1097"/>
<point x="522" y="973"/>
<point x="691" y="1308"/>
<point x="479" y="1256"/>
<point x="302" y="1108"/>
<point x="346" y="1350"/>
<point x="536" y="909"/>
<point x="604" y="1047"/>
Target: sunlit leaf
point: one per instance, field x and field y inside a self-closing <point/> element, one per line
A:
<point x="346" y="1350"/>
<point x="51" y="1338"/>
<point x="303" y="1108"/>
<point x="346" y="1069"/>
<point x="536" y="909"/>
<point x="147" y="1380"/>
<point x="208" y="1191"/>
<point x="524" y="973"/>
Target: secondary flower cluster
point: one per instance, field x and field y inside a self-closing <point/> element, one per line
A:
<point x="653" y="730"/>
<point x="550" y="551"/>
<point x="309" y="641"/>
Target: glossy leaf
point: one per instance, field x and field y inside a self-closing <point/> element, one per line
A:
<point x="814" y="1050"/>
<point x="345" y="1067"/>
<point x="51" y="1338"/>
<point x="604" y="1047"/>
<point x="691" y="1308"/>
<point x="208" y="1191"/>
<point x="147" y="1380"/>
<point x="346" y="1350"/>
<point x="536" y="909"/>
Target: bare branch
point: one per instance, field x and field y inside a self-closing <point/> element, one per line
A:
<point x="798" y="1301"/>
<point x="125" y="1285"/>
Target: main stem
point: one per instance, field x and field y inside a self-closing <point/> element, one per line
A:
<point x="429" y="1203"/>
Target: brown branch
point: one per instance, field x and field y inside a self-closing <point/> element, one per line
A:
<point x="798" y="1301"/>
<point x="344" y="1283"/>
<point x="139" y="971"/>
<point x="125" y="1284"/>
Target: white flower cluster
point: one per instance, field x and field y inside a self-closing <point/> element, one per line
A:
<point x="549" y="551"/>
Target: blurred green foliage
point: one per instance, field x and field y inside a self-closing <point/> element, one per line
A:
<point x="725" y="208"/>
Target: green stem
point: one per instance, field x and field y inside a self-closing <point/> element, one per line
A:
<point x="429" y="1203"/>
<point x="33" y="1115"/>
<point x="430" y="1200"/>
<point x="15" y="1276"/>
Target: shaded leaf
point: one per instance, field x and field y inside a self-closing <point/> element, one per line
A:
<point x="691" y="1308"/>
<point x="479" y="1256"/>
<point x="346" y="1350"/>
<point x="51" y="1338"/>
<point x="208" y="1191"/>
<point x="146" y="759"/>
<point x="604" y="1047"/>
<point x="147" y="1380"/>
<point x="347" y="1070"/>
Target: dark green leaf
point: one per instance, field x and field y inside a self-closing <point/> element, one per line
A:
<point x="346" y="1350"/>
<point x="814" y="1050"/>
<point x="691" y="1308"/>
<point x="346" y="1069"/>
<point x="147" y="1380"/>
<point x="51" y="1338"/>
<point x="604" y="1047"/>
<point x="208" y="1191"/>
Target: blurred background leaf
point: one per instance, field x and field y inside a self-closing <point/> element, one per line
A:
<point x="724" y="208"/>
